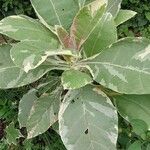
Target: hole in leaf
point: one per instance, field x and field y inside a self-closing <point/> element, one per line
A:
<point x="73" y="101"/>
<point x="87" y="131"/>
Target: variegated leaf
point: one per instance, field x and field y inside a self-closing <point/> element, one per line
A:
<point x="31" y="54"/>
<point x="74" y="79"/>
<point x="113" y="6"/>
<point x="103" y="35"/>
<point x="25" y="105"/>
<point x="12" y="76"/>
<point x="56" y="12"/>
<point x="123" y="16"/>
<point x="29" y="99"/>
<point x="43" y="113"/>
<point x="86" y="21"/>
<point x="88" y="120"/>
<point x="82" y="3"/>
<point x="124" y="67"/>
<point x="25" y="28"/>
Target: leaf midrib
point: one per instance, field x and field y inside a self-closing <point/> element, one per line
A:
<point x="57" y="16"/>
<point x="119" y="66"/>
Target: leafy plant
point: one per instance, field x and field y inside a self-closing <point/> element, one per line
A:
<point x="100" y="75"/>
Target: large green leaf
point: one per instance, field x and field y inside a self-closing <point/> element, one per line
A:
<point x="12" y="76"/>
<point x="113" y="7"/>
<point x="25" y="28"/>
<point x="43" y="113"/>
<point x="123" y="16"/>
<point x="88" y="120"/>
<point x="124" y="67"/>
<point x="31" y="54"/>
<point x="56" y="12"/>
<point x="74" y="79"/>
<point x="88" y="18"/>
<point x="103" y="35"/>
<point x="128" y="105"/>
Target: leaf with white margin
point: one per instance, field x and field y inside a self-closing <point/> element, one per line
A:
<point x="30" y="98"/>
<point x="128" y="105"/>
<point x="12" y="76"/>
<point x="124" y="67"/>
<point x="88" y="120"/>
<point x="124" y="15"/>
<point x="113" y="7"/>
<point x="103" y="35"/>
<point x="56" y="12"/>
<point x="31" y="54"/>
<point x="44" y="113"/>
<point x="74" y="79"/>
<point x="87" y="19"/>
<point x="25" y="28"/>
<point x="82" y="3"/>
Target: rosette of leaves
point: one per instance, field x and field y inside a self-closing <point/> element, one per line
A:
<point x="101" y="75"/>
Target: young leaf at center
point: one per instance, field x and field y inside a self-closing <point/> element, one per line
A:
<point x="74" y="79"/>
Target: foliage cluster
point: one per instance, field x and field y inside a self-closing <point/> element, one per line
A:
<point x="128" y="134"/>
